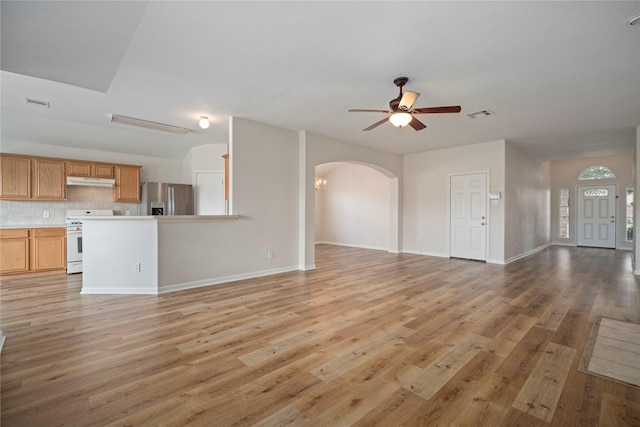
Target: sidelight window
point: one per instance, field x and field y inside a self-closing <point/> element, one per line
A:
<point x="629" y="215"/>
<point x="563" y="211"/>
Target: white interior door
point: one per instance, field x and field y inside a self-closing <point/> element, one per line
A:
<point x="597" y="216"/>
<point x="209" y="198"/>
<point x="468" y="216"/>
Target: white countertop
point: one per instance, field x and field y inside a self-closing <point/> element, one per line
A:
<point x="160" y="218"/>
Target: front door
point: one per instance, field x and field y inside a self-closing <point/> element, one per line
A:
<point x="468" y="233"/>
<point x="597" y="216"/>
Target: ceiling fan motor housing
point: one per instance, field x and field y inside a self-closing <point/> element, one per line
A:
<point x="395" y="102"/>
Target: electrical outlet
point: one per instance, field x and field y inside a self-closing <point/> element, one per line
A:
<point x="136" y="267"/>
<point x="45" y="214"/>
<point x="269" y="254"/>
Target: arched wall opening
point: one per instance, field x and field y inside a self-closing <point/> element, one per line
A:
<point x="353" y="206"/>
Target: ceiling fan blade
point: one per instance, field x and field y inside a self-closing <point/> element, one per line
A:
<point x="416" y="124"/>
<point x="376" y="124"/>
<point x="369" y="111"/>
<point x="407" y="100"/>
<point x="432" y="110"/>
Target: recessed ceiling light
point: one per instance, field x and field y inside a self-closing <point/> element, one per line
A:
<point x="634" y="20"/>
<point x="37" y="103"/>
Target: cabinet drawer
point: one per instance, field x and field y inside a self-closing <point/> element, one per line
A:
<point x="48" y="232"/>
<point x="14" y="233"/>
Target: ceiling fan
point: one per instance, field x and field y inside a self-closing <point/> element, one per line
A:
<point x="402" y="111"/>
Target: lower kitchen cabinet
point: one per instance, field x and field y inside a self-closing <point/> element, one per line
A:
<point x="32" y="250"/>
<point x="14" y="251"/>
<point x="48" y="249"/>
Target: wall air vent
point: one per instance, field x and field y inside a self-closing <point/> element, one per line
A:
<point x="131" y="121"/>
<point x="480" y="113"/>
<point x="37" y="103"/>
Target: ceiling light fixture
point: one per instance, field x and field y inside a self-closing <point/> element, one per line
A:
<point x="400" y="119"/>
<point x="634" y="20"/>
<point x="204" y="122"/>
<point x="115" y="118"/>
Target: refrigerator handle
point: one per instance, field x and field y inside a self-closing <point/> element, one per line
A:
<point x="172" y="201"/>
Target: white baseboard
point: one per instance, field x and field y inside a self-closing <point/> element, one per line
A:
<point x="433" y="254"/>
<point x="526" y="254"/>
<point x="225" y="279"/>
<point x="348" y="245"/>
<point x="116" y="291"/>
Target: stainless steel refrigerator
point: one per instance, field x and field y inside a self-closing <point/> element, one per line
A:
<point x="161" y="198"/>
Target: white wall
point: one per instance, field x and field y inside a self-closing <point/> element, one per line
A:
<point x="426" y="195"/>
<point x="155" y="169"/>
<point x="353" y="207"/>
<point x="564" y="174"/>
<point x="136" y="242"/>
<point x="204" y="158"/>
<point x="264" y="191"/>
<point x="526" y="201"/>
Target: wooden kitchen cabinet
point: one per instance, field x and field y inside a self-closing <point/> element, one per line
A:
<point x="15" y="173"/>
<point x="82" y="169"/>
<point x="24" y="250"/>
<point x="226" y="177"/>
<point x="48" y="249"/>
<point x="99" y="170"/>
<point x="14" y="251"/>
<point x="49" y="179"/>
<point x="89" y="169"/>
<point x="127" y="188"/>
<point x="44" y="178"/>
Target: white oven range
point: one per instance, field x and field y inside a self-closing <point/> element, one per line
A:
<point x="74" y="236"/>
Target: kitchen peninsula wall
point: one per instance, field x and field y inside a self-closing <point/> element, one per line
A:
<point x="30" y="212"/>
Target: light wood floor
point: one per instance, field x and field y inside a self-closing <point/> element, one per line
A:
<point x="369" y="338"/>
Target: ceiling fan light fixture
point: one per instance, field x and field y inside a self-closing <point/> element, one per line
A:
<point x="204" y="122"/>
<point x="400" y="119"/>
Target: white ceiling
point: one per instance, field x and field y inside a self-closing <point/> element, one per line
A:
<point x="563" y="78"/>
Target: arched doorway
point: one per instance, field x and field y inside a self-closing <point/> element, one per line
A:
<point x="355" y="205"/>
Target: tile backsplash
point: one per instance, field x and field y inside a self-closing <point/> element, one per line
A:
<point x="30" y="212"/>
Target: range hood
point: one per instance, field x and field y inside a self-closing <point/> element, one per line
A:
<point x="92" y="182"/>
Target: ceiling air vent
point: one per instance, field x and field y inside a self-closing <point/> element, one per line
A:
<point x="37" y="103"/>
<point x="480" y="113"/>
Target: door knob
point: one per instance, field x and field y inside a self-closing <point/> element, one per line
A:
<point x="482" y="223"/>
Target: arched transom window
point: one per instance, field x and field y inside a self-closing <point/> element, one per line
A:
<point x="596" y="172"/>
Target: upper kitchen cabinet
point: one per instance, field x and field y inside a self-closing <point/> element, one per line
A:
<point x="49" y="179"/>
<point x="127" y="188"/>
<point x="15" y="173"/>
<point x="89" y="169"/>
<point x="101" y="171"/>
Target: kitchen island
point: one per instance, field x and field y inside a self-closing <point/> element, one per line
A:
<point x="156" y="254"/>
